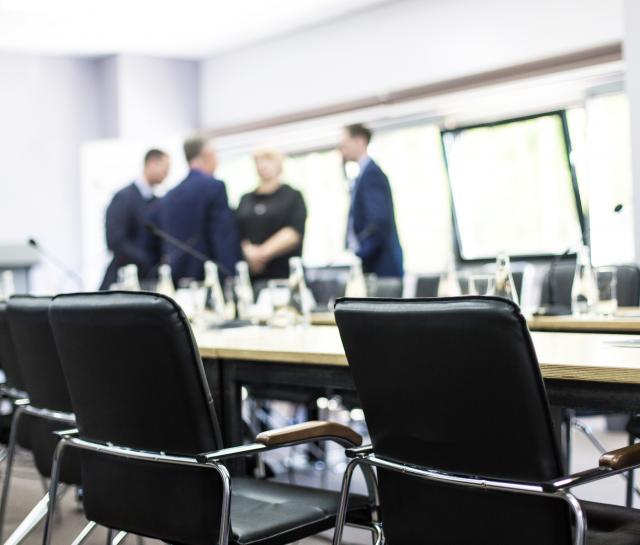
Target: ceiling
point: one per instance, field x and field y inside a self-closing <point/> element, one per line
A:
<point x="178" y="28"/>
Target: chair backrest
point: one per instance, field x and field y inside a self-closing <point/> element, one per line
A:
<point x="558" y="281"/>
<point x="8" y="359"/>
<point x="628" y="285"/>
<point x="136" y="381"/>
<point x="384" y="287"/>
<point x="454" y="385"/>
<point x="36" y="353"/>
<point x="326" y="283"/>
<point x="427" y="285"/>
<point x="44" y="381"/>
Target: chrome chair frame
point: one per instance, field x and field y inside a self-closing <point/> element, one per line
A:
<point x="213" y="460"/>
<point x="558" y="488"/>
<point x="22" y="406"/>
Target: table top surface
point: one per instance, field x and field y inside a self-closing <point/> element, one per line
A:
<point x="627" y="320"/>
<point x="570" y="356"/>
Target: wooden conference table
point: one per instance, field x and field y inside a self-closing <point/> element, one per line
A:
<point x="581" y="370"/>
<point x="626" y="321"/>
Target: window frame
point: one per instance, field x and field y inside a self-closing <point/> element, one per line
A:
<point x="582" y="213"/>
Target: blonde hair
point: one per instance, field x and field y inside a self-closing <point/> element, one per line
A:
<point x="268" y="152"/>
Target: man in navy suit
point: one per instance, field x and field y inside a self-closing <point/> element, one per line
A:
<point x="371" y="230"/>
<point x="126" y="216"/>
<point x="197" y="213"/>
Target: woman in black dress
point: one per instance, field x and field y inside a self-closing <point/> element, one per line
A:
<point x="271" y="220"/>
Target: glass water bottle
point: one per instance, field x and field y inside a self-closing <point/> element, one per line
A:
<point x="301" y="299"/>
<point x="449" y="283"/>
<point x="7" y="286"/>
<point x="356" y="285"/>
<point x="214" y="301"/>
<point x="130" y="281"/>
<point x="584" y="288"/>
<point x="504" y="285"/>
<point x="165" y="281"/>
<point x="244" y="291"/>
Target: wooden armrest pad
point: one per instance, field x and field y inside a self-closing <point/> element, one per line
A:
<point x="309" y="431"/>
<point x="621" y="458"/>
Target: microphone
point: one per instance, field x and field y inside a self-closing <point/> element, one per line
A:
<point x="56" y="262"/>
<point x="184" y="247"/>
<point x="553" y="309"/>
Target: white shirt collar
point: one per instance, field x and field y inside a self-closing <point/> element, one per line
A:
<point x="363" y="162"/>
<point x="145" y="189"/>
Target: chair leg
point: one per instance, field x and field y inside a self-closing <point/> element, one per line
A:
<point x="53" y="490"/>
<point x="118" y="538"/>
<point x="567" y="425"/>
<point x="11" y="449"/>
<point x="341" y="517"/>
<point x="29" y="522"/>
<point x="630" y="479"/>
<point x="84" y="534"/>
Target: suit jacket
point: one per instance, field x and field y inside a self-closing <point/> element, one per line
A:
<point x="125" y="219"/>
<point x="197" y="212"/>
<point x="373" y="219"/>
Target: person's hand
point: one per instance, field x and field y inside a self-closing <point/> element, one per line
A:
<point x="255" y="256"/>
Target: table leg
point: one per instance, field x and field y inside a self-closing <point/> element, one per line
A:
<point x="232" y="414"/>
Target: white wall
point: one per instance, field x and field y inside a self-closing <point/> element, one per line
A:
<point x="157" y="97"/>
<point x="632" y="60"/>
<point x="395" y="46"/>
<point x="47" y="107"/>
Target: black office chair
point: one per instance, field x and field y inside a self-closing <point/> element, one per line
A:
<point x="558" y="280"/>
<point x="151" y="447"/>
<point x="384" y="287"/>
<point x="49" y="407"/>
<point x="461" y="430"/>
<point x="14" y="391"/>
<point x="326" y="283"/>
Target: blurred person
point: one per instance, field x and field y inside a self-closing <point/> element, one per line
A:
<point x="197" y="213"/>
<point x="372" y="234"/>
<point x="126" y="215"/>
<point x="271" y="220"/>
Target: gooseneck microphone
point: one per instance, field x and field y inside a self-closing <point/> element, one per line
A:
<point x="556" y="260"/>
<point x="57" y="263"/>
<point x="183" y="246"/>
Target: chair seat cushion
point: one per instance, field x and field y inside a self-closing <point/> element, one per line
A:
<point x="277" y="513"/>
<point x="611" y="524"/>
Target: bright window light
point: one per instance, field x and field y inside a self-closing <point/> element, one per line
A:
<point x="512" y="188"/>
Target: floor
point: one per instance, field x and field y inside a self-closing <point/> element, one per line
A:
<point x="27" y="489"/>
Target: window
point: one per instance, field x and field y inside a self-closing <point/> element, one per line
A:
<point x="512" y="188"/>
<point x="412" y="159"/>
<point x="607" y="160"/>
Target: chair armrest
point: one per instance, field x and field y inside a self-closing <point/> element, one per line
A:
<point x="310" y="431"/>
<point x="622" y="458"/>
<point x="611" y="463"/>
<point x="358" y="452"/>
<point x="287" y="436"/>
<point x="66" y="433"/>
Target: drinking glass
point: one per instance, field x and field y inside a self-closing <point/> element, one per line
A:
<point x="607" y="281"/>
<point x="482" y="284"/>
<point x="283" y="314"/>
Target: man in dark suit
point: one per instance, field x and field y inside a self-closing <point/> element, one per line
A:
<point x="197" y="213"/>
<point x="126" y="216"/>
<point x="371" y="230"/>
